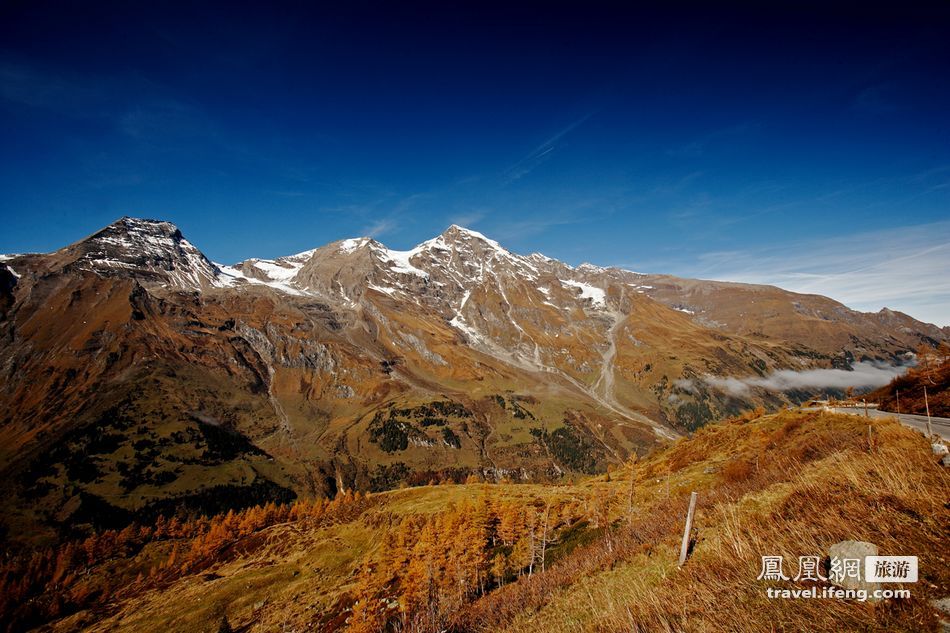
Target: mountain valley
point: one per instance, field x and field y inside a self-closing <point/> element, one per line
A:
<point x="139" y="378"/>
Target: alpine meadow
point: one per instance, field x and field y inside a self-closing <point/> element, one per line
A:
<point x="474" y="318"/>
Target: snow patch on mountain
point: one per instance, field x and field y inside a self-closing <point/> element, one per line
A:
<point x="111" y="263"/>
<point x="459" y="324"/>
<point x="547" y="296"/>
<point x="280" y="271"/>
<point x="352" y="244"/>
<point x="590" y="268"/>
<point x="383" y="289"/>
<point x="597" y="295"/>
<point x="300" y="258"/>
<point x="399" y="261"/>
<point x="229" y="276"/>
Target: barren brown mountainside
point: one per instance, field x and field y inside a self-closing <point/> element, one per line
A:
<point x="140" y="378"/>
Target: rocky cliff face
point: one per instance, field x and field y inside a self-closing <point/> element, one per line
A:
<point x="139" y="377"/>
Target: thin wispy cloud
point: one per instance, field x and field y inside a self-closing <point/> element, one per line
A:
<point x="394" y="219"/>
<point x="380" y="227"/>
<point x="579" y="210"/>
<point x="531" y="226"/>
<point x="697" y="147"/>
<point x="904" y="268"/>
<point x="881" y="190"/>
<point x="542" y="152"/>
<point x="467" y="219"/>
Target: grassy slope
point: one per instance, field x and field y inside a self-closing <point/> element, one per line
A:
<point x="816" y="484"/>
<point x="791" y="484"/>
<point x="907" y="392"/>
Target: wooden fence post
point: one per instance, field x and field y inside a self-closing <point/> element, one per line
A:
<point x="684" y="548"/>
<point x="930" y="430"/>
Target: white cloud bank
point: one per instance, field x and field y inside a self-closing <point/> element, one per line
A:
<point x="864" y="374"/>
<point x="906" y="269"/>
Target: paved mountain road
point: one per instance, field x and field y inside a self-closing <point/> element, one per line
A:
<point x="940" y="426"/>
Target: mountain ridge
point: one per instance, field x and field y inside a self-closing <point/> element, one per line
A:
<point x="139" y="375"/>
<point x="173" y="233"/>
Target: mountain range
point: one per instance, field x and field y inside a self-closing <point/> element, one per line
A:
<point x="139" y="378"/>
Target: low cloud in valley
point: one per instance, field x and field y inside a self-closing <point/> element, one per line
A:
<point x="865" y="374"/>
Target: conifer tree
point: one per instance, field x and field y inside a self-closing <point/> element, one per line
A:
<point x="500" y="568"/>
<point x="510" y="523"/>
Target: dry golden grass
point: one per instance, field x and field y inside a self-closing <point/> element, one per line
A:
<point x="788" y="484"/>
<point x="816" y="483"/>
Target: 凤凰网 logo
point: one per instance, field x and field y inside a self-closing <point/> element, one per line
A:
<point x="849" y="578"/>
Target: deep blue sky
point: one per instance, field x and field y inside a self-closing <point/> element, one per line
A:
<point x="745" y="143"/>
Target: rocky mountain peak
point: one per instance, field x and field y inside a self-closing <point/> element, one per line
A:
<point x="459" y="238"/>
<point x="129" y="231"/>
<point x="147" y="249"/>
<point x="463" y="256"/>
<point x="354" y="244"/>
<point x="456" y="232"/>
<point x="441" y="275"/>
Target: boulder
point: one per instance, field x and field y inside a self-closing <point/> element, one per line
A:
<point x="851" y="550"/>
<point x="942" y="605"/>
<point x="939" y="448"/>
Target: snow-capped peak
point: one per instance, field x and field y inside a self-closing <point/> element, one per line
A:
<point x="441" y="270"/>
<point x="455" y="232"/>
<point x="353" y="243"/>
<point x="149" y="248"/>
<point x="588" y="267"/>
